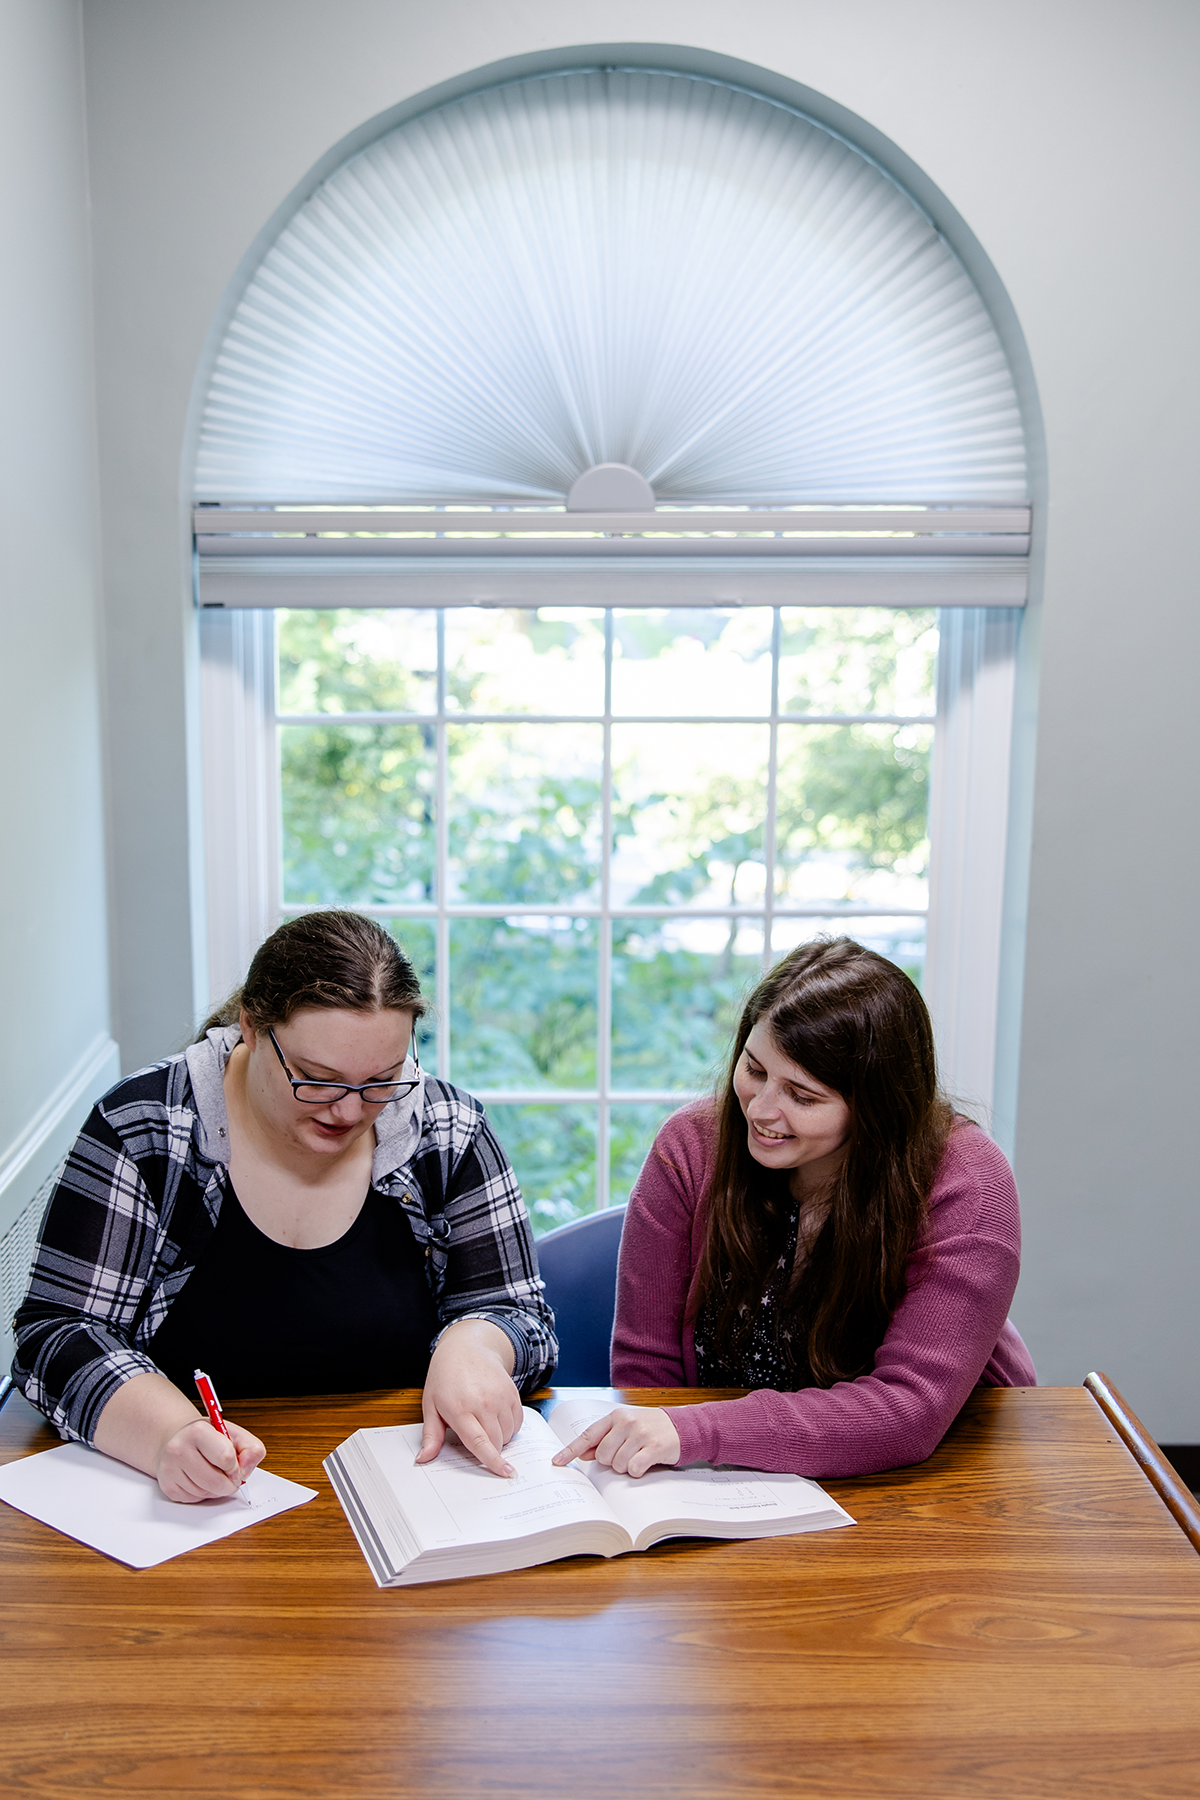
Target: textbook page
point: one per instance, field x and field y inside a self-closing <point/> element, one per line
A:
<point x="454" y="1501"/>
<point x="698" y="1500"/>
<point x="124" y="1514"/>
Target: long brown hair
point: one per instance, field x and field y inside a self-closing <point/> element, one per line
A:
<point x="330" y="959"/>
<point x="858" y="1024"/>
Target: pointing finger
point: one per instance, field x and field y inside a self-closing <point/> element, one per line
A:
<point x="432" y="1437"/>
<point x="474" y="1437"/>
<point x="584" y="1446"/>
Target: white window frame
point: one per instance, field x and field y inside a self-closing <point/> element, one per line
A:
<point x="968" y="831"/>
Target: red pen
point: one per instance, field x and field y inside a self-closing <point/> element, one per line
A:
<point x="216" y="1417"/>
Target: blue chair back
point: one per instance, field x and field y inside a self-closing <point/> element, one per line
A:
<point x="578" y="1263"/>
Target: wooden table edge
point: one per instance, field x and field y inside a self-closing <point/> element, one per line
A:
<point x="1179" y="1500"/>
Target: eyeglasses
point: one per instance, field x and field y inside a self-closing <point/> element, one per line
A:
<point x="327" y="1093"/>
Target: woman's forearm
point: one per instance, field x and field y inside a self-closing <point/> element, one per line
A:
<point x="481" y="1334"/>
<point x="141" y="1418"/>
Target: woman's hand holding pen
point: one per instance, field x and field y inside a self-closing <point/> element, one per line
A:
<point x="149" y="1424"/>
<point x="198" y="1463"/>
<point x="629" y="1440"/>
<point x="470" y="1390"/>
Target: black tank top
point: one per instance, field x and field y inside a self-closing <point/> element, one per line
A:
<point x="262" y="1318"/>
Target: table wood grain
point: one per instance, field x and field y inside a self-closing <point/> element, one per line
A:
<point x="1018" y="1617"/>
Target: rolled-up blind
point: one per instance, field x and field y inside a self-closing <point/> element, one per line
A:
<point x="598" y="266"/>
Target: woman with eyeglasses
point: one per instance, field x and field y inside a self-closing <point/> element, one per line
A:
<point x="293" y="1206"/>
<point x="825" y="1232"/>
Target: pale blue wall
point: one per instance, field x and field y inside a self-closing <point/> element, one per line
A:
<point x="55" y="1049"/>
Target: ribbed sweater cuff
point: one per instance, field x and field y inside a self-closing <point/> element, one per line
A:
<point x="697" y="1436"/>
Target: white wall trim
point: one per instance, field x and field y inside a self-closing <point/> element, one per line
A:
<point x="236" y="582"/>
<point x="241" y="783"/>
<point x="968" y="828"/>
<point x="32" y="1155"/>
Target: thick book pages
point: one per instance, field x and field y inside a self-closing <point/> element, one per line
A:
<point x="450" y="1518"/>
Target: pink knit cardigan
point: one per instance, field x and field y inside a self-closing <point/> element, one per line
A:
<point x="949" y="1333"/>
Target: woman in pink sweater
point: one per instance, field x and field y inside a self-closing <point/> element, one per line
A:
<point x="827" y="1232"/>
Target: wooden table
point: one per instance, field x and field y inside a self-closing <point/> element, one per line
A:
<point x="1017" y="1617"/>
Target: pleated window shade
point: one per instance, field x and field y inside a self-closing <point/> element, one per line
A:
<point x="622" y="266"/>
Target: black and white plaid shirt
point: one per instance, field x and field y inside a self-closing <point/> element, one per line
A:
<point x="138" y="1200"/>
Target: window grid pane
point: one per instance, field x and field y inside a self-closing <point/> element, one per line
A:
<point x="828" y="835"/>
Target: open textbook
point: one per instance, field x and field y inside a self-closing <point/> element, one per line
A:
<point x="450" y="1518"/>
<point x="124" y="1514"/>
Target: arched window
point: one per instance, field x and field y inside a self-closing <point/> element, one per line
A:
<point x="583" y="472"/>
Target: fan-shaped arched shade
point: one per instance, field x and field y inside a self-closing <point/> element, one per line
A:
<point x="611" y="266"/>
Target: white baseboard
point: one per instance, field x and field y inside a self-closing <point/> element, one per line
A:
<point x="35" y="1153"/>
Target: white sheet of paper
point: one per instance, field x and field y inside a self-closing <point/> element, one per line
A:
<point x="124" y="1514"/>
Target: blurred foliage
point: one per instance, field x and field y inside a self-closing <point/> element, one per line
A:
<point x="520" y="831"/>
<point x="357" y="814"/>
<point x="346" y="661"/>
<point x="673" y="1008"/>
<point x="859" y="790"/>
<point x="523" y="1002"/>
<point x="857" y="660"/>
